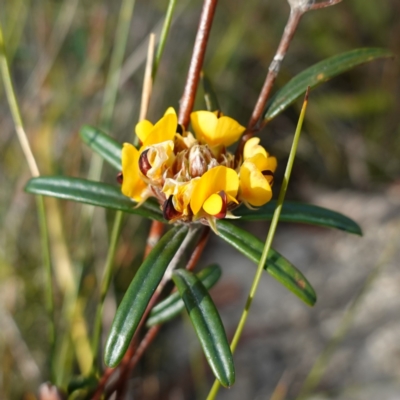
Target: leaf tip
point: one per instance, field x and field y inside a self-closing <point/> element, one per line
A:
<point x="115" y="349"/>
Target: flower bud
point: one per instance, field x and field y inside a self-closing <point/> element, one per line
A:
<point x="120" y="178"/>
<point x="197" y="161"/>
<point x="144" y="163"/>
<point x="169" y="212"/>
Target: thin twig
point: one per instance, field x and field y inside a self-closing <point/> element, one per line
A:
<point x="26" y="149"/>
<point x="156" y="230"/>
<point x="194" y="258"/>
<point x="163" y="36"/>
<point x="255" y="124"/>
<point x="196" y="63"/>
<point x="147" y="80"/>
<point x="324" y="4"/>
<point x="273" y="70"/>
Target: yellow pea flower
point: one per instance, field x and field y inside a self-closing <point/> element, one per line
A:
<point x="160" y="156"/>
<point x="163" y="130"/>
<point x="182" y="193"/>
<point x="210" y="185"/>
<point x="256" y="176"/>
<point x="252" y="147"/>
<point x="132" y="184"/>
<point x="215" y="131"/>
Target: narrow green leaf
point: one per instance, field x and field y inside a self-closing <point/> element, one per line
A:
<point x="94" y="193"/>
<point x="277" y="266"/>
<point x="103" y="145"/>
<point x="209" y="94"/>
<point x="173" y="304"/>
<point x="301" y="213"/>
<point x="207" y="324"/>
<point x="319" y="73"/>
<point x="139" y="293"/>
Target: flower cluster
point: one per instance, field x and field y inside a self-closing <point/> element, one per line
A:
<point x="196" y="178"/>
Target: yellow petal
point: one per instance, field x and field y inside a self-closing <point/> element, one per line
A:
<point x="163" y="130"/>
<point x="170" y="110"/>
<point x="263" y="163"/>
<point x="213" y="205"/>
<point x="204" y="124"/>
<point x="213" y="181"/>
<point x="254" y="187"/>
<point x="143" y="129"/>
<point x="215" y="131"/>
<point x="228" y="131"/>
<point x="132" y="183"/>
<point x="160" y="157"/>
<point x="252" y="147"/>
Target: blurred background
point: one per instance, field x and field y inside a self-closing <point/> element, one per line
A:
<point x="59" y="53"/>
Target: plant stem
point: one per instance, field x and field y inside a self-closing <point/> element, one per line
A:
<point x="117" y="56"/>
<point x="105" y="284"/>
<point x="268" y="242"/>
<point x="163" y="37"/>
<point x="273" y="70"/>
<point x="198" y="251"/>
<point x="324" y="4"/>
<point x="109" y="100"/>
<point x="26" y="149"/>
<point x="111" y="88"/>
<point x="196" y="62"/>
<point x="253" y="125"/>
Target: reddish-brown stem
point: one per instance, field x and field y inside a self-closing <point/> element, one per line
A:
<point x="196" y="63"/>
<point x="324" y="4"/>
<point x="156" y="230"/>
<point x="194" y="258"/>
<point x="273" y="70"/>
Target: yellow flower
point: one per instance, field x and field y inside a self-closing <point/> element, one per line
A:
<point x="256" y="174"/>
<point x="194" y="179"/>
<point x="159" y="157"/>
<point x="163" y="130"/>
<point x="207" y="194"/>
<point x="181" y="193"/>
<point x="132" y="184"/>
<point x="215" y="131"/>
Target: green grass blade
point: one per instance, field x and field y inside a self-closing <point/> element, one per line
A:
<point x="94" y="193"/>
<point x="103" y="145"/>
<point x="276" y="265"/>
<point x="319" y="73"/>
<point x="207" y="324"/>
<point x="139" y="293"/>
<point x="301" y="213"/>
<point x="173" y="304"/>
<point x="210" y="97"/>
